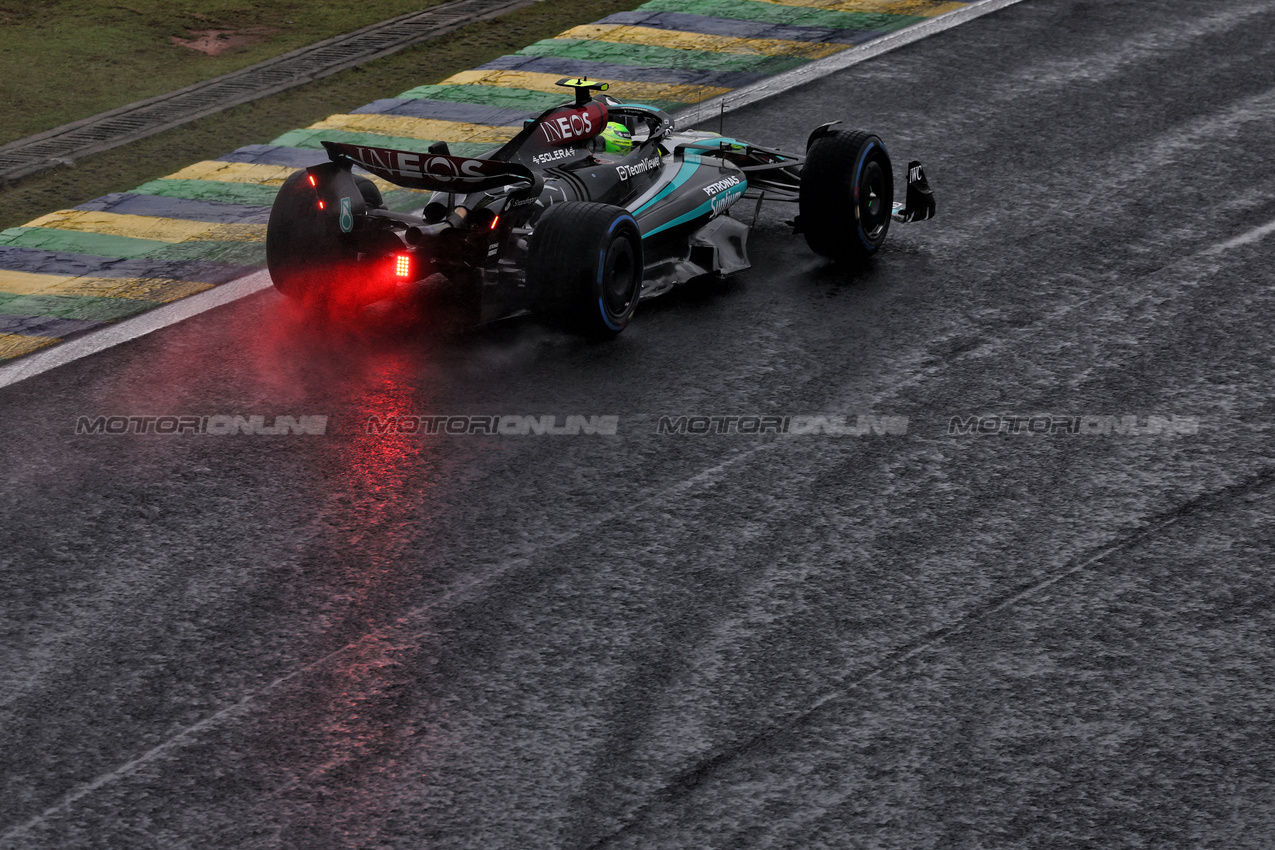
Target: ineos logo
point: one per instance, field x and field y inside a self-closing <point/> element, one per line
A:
<point x="444" y="169"/>
<point x="577" y="124"/>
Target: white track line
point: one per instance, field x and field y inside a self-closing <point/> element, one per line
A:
<point x="780" y="83"/>
<point x="39" y="362"/>
<point x="73" y="349"/>
<point x="1247" y="238"/>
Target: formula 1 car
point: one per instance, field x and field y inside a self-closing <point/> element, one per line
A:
<point x="593" y="205"/>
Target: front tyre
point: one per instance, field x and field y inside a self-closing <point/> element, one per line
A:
<point x="847" y="195"/>
<point x="585" y="267"/>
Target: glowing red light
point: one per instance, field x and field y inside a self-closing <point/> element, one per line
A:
<point x="403" y="265"/>
<point x="320" y="204"/>
<point x="495" y="221"/>
<point x="310" y="177"/>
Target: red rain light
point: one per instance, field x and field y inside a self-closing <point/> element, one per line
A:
<point x="403" y="265"/>
<point x="320" y="204"/>
<point x="310" y="177"/>
<point x="495" y="221"/>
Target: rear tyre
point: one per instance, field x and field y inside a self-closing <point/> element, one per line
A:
<point x="847" y="195"/>
<point x="585" y="268"/>
<point x="306" y="252"/>
<point x="371" y="194"/>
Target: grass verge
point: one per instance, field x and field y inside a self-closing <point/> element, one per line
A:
<point x="129" y="166"/>
<point x="62" y="60"/>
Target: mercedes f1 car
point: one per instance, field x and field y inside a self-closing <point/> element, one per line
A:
<point x="592" y="206"/>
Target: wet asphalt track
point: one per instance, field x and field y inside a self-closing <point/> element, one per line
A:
<point x="638" y="641"/>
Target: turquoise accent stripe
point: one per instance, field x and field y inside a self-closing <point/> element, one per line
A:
<point x="690" y="164"/>
<point x="702" y="209"/>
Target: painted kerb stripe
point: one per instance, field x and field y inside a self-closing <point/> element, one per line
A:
<point x="223" y="202"/>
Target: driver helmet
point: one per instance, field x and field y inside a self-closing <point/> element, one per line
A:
<point x="617" y="138"/>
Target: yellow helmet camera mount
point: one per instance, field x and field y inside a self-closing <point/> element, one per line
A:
<point x="583" y="86"/>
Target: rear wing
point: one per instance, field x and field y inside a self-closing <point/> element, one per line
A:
<point x="432" y="171"/>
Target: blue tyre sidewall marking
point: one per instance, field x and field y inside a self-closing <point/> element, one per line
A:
<point x="602" y="262"/>
<point x="858" y="222"/>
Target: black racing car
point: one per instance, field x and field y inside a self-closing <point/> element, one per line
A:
<point x="552" y="223"/>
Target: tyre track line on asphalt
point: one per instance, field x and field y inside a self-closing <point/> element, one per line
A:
<point x="458" y="593"/>
<point x="689" y="777"/>
<point x="261" y="281"/>
<point x="685" y="782"/>
<point x="682" y="783"/>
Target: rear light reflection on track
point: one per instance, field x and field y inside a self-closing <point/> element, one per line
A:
<point x="378" y="524"/>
